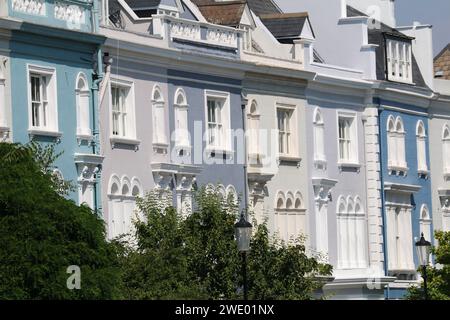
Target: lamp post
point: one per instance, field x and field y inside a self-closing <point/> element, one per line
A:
<point x="423" y="252"/>
<point x="243" y="231"/>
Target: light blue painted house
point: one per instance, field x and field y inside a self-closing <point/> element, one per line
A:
<point x="49" y="53"/>
<point x="404" y="156"/>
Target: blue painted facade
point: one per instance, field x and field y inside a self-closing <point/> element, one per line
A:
<point x="410" y="115"/>
<point x="68" y="50"/>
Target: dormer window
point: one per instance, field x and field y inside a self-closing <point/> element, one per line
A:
<point x="399" y="56"/>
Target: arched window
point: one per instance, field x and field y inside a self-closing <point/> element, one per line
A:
<point x="181" y="119"/>
<point x="159" y="117"/>
<point x="421" y="147"/>
<point x="396" y="143"/>
<point x="253" y="117"/>
<point x="400" y="130"/>
<point x="319" y="139"/>
<point x="280" y="201"/>
<point x="221" y="192"/>
<point x="231" y="194"/>
<point x="352" y="253"/>
<point x="425" y="222"/>
<point x="122" y="205"/>
<point x="391" y="140"/>
<point x="82" y="105"/>
<point x="446" y="149"/>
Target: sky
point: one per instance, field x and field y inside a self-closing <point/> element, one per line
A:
<point x="434" y="12"/>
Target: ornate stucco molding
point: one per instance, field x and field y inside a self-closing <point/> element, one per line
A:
<point x="36" y="7"/>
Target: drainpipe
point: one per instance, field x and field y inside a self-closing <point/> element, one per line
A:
<point x="244" y="102"/>
<point x="97" y="79"/>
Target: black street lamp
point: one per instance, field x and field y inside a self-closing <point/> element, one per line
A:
<point x="423" y="252"/>
<point x="243" y="231"/>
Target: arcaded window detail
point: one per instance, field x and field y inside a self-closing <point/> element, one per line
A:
<point x="181" y="120"/>
<point x="396" y="144"/>
<point x="159" y="118"/>
<point x="319" y="136"/>
<point x="399" y="58"/>
<point x="122" y="195"/>
<point x="290" y="218"/>
<point x="446" y="149"/>
<point x="421" y="137"/>
<point x="82" y="94"/>
<point x="352" y="233"/>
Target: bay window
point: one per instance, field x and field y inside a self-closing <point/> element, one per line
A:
<point x="399" y="55"/>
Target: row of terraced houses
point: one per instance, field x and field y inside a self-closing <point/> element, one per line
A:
<point x="328" y="122"/>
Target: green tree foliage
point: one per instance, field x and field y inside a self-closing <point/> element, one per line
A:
<point x="42" y="234"/>
<point x="439" y="276"/>
<point x="196" y="257"/>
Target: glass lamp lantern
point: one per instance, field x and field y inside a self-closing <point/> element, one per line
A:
<point x="243" y="234"/>
<point x="423" y="248"/>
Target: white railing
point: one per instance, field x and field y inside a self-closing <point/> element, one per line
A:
<point x="199" y="32"/>
<point x="185" y="30"/>
<point x="36" y="7"/>
<point x="222" y="37"/>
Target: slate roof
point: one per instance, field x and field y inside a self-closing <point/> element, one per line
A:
<point x="442" y="63"/>
<point x="377" y="36"/>
<point x="223" y="13"/>
<point x="260" y="7"/>
<point x="285" y="25"/>
<point x="143" y="3"/>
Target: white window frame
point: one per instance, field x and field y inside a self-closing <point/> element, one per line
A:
<point x="399" y="60"/>
<point x="353" y="159"/>
<point x="82" y="98"/>
<point x="421" y="137"/>
<point x="293" y="131"/>
<point x="225" y="144"/>
<point x="51" y="127"/>
<point x="130" y="132"/>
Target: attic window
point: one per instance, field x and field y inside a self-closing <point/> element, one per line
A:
<point x="145" y="13"/>
<point x="399" y="66"/>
